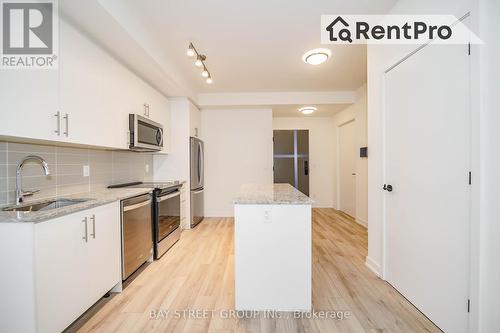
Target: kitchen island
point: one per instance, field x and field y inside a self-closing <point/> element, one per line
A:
<point x="272" y="249"/>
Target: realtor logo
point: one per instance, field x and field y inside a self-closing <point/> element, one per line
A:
<point x="29" y="34"/>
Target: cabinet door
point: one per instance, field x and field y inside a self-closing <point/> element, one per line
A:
<point x="60" y="265"/>
<point x="29" y="103"/>
<point x="93" y="92"/>
<point x="158" y="111"/>
<point x="104" y="270"/>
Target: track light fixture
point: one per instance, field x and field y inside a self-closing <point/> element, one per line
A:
<point x="199" y="62"/>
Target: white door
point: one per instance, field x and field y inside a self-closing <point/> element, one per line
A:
<point x="29" y="103"/>
<point x="427" y="163"/>
<point x="347" y="168"/>
<point x="94" y="92"/>
<point x="61" y="254"/>
<point x="104" y="270"/>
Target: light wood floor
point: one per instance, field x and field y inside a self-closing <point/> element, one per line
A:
<point x="198" y="274"/>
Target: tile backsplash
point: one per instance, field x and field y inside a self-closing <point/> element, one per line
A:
<point x="67" y="169"/>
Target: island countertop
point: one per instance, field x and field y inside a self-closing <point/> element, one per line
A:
<point x="271" y="194"/>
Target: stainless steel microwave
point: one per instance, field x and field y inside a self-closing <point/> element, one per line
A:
<point x="145" y="134"/>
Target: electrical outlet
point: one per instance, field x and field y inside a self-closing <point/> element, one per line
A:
<point x="268" y="216"/>
<point x="86" y="171"/>
<point x="147" y="168"/>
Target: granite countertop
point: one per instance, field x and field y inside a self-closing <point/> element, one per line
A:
<point x="93" y="199"/>
<point x="271" y="194"/>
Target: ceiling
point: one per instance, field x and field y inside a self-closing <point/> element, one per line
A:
<point x="328" y="110"/>
<point x="255" y="45"/>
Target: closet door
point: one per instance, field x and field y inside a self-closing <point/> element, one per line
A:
<point x="427" y="164"/>
<point x="347" y="154"/>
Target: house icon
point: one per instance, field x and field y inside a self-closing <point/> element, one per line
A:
<point x="329" y="28"/>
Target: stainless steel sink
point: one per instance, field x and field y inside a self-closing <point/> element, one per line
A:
<point x="46" y="205"/>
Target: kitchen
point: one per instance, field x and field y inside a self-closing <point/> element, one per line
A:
<point x="172" y="169"/>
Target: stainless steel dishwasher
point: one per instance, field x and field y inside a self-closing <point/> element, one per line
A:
<point x="137" y="239"/>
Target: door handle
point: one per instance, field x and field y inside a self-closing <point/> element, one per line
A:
<point x="306" y="168"/>
<point x="138" y="205"/>
<point x="58" y="117"/>
<point x="66" y="118"/>
<point x="93" y="226"/>
<point x="86" y="236"/>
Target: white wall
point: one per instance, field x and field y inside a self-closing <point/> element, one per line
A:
<point x="490" y="160"/>
<point x="321" y="155"/>
<point x="358" y="112"/>
<point x="238" y="150"/>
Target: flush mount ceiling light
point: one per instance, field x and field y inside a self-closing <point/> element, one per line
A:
<point x="199" y="62"/>
<point x="316" y="56"/>
<point x="307" y="109"/>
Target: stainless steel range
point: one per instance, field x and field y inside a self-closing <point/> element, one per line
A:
<point x="166" y="219"/>
<point x="165" y="213"/>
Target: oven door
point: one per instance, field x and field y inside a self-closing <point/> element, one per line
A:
<point x="168" y="214"/>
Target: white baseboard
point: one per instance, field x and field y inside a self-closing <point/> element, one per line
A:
<point x="373" y="266"/>
<point x="362" y="222"/>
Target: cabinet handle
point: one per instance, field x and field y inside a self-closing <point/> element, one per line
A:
<point x="58" y="117"/>
<point x="148" y="110"/>
<point x="66" y="117"/>
<point x="93" y="226"/>
<point x="86" y="236"/>
<point x="145" y="109"/>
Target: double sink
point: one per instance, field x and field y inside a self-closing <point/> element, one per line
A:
<point x="44" y="205"/>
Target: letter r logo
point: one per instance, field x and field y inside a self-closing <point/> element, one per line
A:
<point x="27" y="27"/>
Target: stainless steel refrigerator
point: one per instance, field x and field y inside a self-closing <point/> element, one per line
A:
<point x="197" y="181"/>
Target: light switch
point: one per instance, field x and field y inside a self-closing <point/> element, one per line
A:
<point x="86" y="171"/>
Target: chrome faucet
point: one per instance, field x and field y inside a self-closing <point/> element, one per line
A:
<point x="20" y="194"/>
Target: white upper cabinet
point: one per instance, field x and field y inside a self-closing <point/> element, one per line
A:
<point x="91" y="94"/>
<point x="87" y="101"/>
<point x="29" y="103"/>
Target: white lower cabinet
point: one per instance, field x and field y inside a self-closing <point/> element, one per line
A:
<point x="77" y="260"/>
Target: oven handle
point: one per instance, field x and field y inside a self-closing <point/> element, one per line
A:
<point x="168" y="196"/>
<point x="139" y="205"/>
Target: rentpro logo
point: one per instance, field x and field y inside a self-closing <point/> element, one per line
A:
<point x="394" y="29"/>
